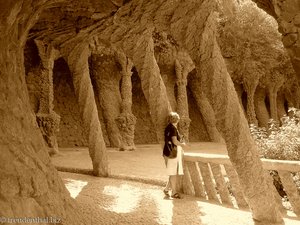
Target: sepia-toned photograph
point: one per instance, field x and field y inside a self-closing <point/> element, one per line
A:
<point x="150" y="112"/>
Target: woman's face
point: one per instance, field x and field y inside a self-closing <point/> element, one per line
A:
<point x="176" y="120"/>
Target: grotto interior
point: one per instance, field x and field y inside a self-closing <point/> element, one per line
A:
<point x="106" y="73"/>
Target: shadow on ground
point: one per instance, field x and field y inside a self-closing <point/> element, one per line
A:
<point x="117" y="201"/>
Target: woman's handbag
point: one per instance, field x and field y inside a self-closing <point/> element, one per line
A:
<point x="172" y="149"/>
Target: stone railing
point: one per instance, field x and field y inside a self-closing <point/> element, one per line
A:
<point x="212" y="177"/>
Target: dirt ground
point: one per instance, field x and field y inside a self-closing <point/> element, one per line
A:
<point x="114" y="201"/>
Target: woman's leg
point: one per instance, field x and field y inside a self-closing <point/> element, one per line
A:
<point x="167" y="187"/>
<point x="173" y="181"/>
<point x="175" y="194"/>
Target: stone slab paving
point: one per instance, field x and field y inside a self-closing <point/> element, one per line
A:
<point x="110" y="201"/>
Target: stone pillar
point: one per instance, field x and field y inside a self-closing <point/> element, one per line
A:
<point x="280" y="105"/>
<point x="47" y="119"/>
<point x="30" y="184"/>
<point x="183" y="65"/>
<point x="78" y="63"/>
<point x="107" y="76"/>
<point x="239" y="91"/>
<point x="218" y="87"/>
<point x="250" y="87"/>
<point x="152" y="84"/>
<point x="261" y="110"/>
<point x="126" y="120"/>
<point x="273" y="88"/>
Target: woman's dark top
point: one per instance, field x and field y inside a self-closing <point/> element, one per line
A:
<point x="170" y="131"/>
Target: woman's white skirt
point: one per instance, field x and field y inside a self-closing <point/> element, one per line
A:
<point x="174" y="166"/>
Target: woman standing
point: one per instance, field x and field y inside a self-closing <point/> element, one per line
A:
<point x="174" y="165"/>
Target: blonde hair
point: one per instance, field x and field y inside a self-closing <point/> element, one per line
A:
<point x="173" y="117"/>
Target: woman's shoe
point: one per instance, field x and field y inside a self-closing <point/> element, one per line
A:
<point x="166" y="192"/>
<point x="176" y="195"/>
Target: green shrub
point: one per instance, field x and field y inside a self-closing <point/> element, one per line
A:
<point x="279" y="141"/>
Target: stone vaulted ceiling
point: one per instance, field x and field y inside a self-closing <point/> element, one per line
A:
<point x="64" y="20"/>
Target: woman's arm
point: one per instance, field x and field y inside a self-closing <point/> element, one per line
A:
<point x="176" y="142"/>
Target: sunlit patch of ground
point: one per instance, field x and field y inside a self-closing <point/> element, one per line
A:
<point x="126" y="198"/>
<point x="112" y="201"/>
<point x="74" y="186"/>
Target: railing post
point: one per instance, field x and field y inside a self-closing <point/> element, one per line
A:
<point x="236" y="187"/>
<point x="291" y="190"/>
<point x="196" y="179"/>
<point x="187" y="186"/>
<point x="277" y="197"/>
<point x="208" y="181"/>
<point x="208" y="175"/>
<point x="221" y="184"/>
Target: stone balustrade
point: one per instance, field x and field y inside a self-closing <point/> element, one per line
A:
<point x="212" y="177"/>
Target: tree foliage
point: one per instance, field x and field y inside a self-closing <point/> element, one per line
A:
<point x="252" y="46"/>
<point x="279" y="142"/>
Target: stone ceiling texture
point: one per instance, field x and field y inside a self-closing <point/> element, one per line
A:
<point x="267" y="6"/>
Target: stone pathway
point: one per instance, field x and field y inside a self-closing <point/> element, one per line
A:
<point x="107" y="201"/>
<point x="121" y="201"/>
<point x="145" y="163"/>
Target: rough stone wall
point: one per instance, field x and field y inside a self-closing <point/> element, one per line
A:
<point x="144" y="132"/>
<point x="165" y="53"/>
<point x="100" y="112"/>
<point x="198" y="130"/>
<point x="30" y="185"/>
<point x="71" y="132"/>
<point x="31" y="63"/>
<point x="33" y="87"/>
<point x="106" y="76"/>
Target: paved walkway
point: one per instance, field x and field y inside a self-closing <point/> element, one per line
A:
<point x="117" y="201"/>
<point x="146" y="163"/>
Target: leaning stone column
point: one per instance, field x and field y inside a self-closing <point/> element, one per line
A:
<point x="280" y="104"/>
<point x="260" y="107"/>
<point x="79" y="67"/>
<point x="47" y="119"/>
<point x="273" y="88"/>
<point x="152" y="83"/>
<point x="126" y="120"/>
<point x="106" y="75"/>
<point x="206" y="110"/>
<point x="183" y="65"/>
<point x="250" y="87"/>
<point x="230" y="120"/>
